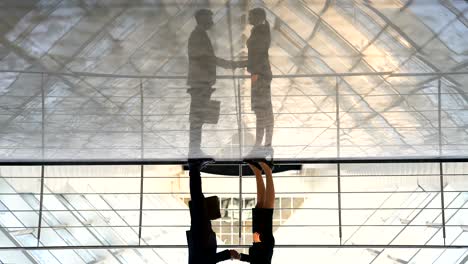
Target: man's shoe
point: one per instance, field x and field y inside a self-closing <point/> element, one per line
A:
<point x="198" y="154"/>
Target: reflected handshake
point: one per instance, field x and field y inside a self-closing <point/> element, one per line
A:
<point x="234" y="254"/>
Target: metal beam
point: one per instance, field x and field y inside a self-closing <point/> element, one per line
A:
<point x="305" y="246"/>
<point x="277" y="76"/>
<point x="64" y="162"/>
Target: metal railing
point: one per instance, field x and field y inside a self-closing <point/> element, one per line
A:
<point x="341" y="174"/>
<point x="437" y="157"/>
<point x="138" y="117"/>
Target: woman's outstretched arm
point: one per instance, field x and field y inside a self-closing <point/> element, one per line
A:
<point x="244" y="257"/>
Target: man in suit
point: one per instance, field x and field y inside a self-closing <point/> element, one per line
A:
<point x="201" y="238"/>
<point x="201" y="78"/>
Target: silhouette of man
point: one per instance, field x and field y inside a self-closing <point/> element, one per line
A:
<point x="201" y="77"/>
<point x="201" y="238"/>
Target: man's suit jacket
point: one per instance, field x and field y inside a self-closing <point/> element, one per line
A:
<point x="202" y="60"/>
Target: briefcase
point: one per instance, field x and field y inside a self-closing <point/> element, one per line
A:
<point x="212" y="207"/>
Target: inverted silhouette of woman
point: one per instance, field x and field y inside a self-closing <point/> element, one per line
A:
<point x="261" y="251"/>
<point x="258" y="64"/>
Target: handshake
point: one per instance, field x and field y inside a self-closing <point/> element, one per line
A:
<point x="228" y="64"/>
<point x="234" y="254"/>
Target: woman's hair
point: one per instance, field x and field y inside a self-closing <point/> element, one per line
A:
<point x="260" y="13"/>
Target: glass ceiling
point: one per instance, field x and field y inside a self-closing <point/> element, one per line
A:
<point x="106" y="79"/>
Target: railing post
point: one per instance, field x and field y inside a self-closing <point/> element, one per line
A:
<point x="439" y="114"/>
<point x="41" y="195"/>
<point x="442" y="201"/>
<point x="235" y="81"/>
<point x="241" y="204"/>
<point x="441" y="168"/>
<point x="142" y="169"/>
<point x="239" y="111"/>
<point x="338" y="154"/>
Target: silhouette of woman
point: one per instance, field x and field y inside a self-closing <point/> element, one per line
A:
<point x="258" y="64"/>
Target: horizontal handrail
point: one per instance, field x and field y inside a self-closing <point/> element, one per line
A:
<point x="278" y="76"/>
<point x="235" y="246"/>
<point x="70" y="162"/>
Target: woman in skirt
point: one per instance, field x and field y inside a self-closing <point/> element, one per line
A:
<point x="258" y="65"/>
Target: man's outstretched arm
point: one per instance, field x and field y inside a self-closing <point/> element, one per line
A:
<point x="226" y="64"/>
<point x="221" y="256"/>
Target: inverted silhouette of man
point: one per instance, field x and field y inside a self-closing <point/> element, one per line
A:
<point x="201" y="238"/>
<point x="201" y="78"/>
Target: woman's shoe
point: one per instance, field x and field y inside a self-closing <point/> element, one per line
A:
<point x="269" y="153"/>
<point x="269" y="163"/>
<point x="255" y="153"/>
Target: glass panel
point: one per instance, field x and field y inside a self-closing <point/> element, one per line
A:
<point x="21" y="116"/>
<point x="86" y="122"/>
<point x="401" y="200"/>
<point x="94" y="205"/>
<point x="14" y="256"/>
<point x="456" y="193"/>
<point x="388" y="121"/>
<point x="454" y="117"/>
<point x="19" y="204"/>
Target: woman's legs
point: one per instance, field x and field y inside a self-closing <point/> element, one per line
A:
<point x="264" y="120"/>
<point x="269" y="201"/>
<point x="269" y="124"/>
<point x="260" y="186"/>
<point x="260" y="127"/>
<point x="265" y="195"/>
<point x="262" y="227"/>
<point x="265" y="124"/>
